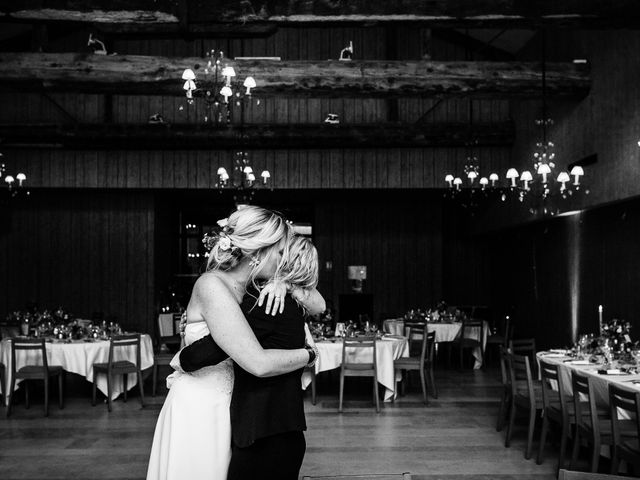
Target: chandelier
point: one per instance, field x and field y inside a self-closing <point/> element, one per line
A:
<point x="15" y="184"/>
<point x="542" y="194"/>
<point x="242" y="179"/>
<point x="219" y="89"/>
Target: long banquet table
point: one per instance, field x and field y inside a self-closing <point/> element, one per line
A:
<point x="445" y="332"/>
<point x="599" y="381"/>
<point x="78" y="356"/>
<point x="388" y="349"/>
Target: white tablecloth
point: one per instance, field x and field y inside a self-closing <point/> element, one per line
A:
<point x="600" y="382"/>
<point x="445" y="332"/>
<point x="388" y="349"/>
<point x="79" y="357"/>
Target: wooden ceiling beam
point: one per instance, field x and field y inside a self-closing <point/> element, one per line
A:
<point x="253" y="136"/>
<point x="136" y="74"/>
<point x="435" y="13"/>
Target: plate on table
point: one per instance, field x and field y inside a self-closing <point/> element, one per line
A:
<point x="613" y="371"/>
<point x="553" y="354"/>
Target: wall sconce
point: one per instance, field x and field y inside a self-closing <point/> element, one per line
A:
<point x="357" y="274"/>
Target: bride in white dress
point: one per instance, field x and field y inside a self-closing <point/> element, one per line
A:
<point x="192" y="439"/>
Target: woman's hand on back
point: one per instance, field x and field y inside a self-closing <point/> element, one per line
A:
<point x="274" y="292"/>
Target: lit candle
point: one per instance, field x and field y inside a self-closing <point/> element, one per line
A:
<point x="600" y="317"/>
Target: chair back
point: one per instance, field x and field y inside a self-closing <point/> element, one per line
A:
<point x="28" y="344"/>
<point x="623" y="400"/>
<point x="551" y="378"/>
<point x="527" y="347"/>
<point x="521" y="378"/>
<point x="124" y="342"/>
<point x="421" y="342"/>
<point x="584" y="402"/>
<point x="467" y="325"/>
<point x="574" y="475"/>
<point x="505" y="375"/>
<point x="350" y="345"/>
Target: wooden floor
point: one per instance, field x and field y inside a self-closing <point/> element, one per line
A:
<point x="453" y="438"/>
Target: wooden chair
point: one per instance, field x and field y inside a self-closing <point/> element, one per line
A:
<point x="626" y="433"/>
<point x="591" y="425"/>
<point x="463" y="341"/>
<point x="526" y="395"/>
<point x="366" y="476"/>
<point x="421" y="350"/>
<point x="501" y="337"/>
<point x="571" y="475"/>
<point x="40" y="370"/>
<point x="505" y="397"/>
<point x="558" y="409"/>
<point x="167" y="344"/>
<point x="115" y="367"/>
<point x="526" y="347"/>
<point x="357" y="369"/>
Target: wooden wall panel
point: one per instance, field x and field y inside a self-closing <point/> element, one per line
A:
<point x="540" y="271"/>
<point x="398" y="236"/>
<point x="84" y="251"/>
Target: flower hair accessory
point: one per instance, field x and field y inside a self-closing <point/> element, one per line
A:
<point x="225" y="242"/>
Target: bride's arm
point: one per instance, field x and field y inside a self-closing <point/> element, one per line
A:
<point x="232" y="333"/>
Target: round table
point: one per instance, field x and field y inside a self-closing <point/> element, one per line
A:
<point x="388" y="349"/>
<point x="78" y="356"/>
<point x="445" y="332"/>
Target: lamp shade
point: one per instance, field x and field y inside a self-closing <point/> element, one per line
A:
<point x="494" y="177"/>
<point x="543" y="168"/>
<point x="563" y="177"/>
<point x="222" y="171"/>
<point x="188" y="74"/>
<point x="512" y="173"/>
<point x="357" y="272"/>
<point x="577" y="170"/>
<point x="448" y="178"/>
<point x="526" y="176"/>
<point x="265" y="174"/>
<point x="228" y="72"/>
<point x="249" y="82"/>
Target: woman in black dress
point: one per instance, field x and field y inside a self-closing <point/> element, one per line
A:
<point x="267" y="414"/>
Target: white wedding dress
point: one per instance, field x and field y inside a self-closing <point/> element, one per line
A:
<point x="193" y="433"/>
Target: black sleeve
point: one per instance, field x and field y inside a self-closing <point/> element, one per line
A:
<point x="201" y="353"/>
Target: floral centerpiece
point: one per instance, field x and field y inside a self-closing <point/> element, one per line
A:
<point x="613" y="343"/>
<point x="615" y="337"/>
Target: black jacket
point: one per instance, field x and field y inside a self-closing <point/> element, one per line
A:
<point x="260" y="407"/>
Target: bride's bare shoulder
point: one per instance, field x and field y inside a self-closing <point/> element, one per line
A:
<point x="210" y="284"/>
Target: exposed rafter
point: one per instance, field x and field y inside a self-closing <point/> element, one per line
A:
<point x="383" y="79"/>
<point x="192" y="137"/>
<point x="436" y="13"/>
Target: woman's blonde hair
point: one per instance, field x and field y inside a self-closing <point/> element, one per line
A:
<point x="300" y="263"/>
<point x="250" y="232"/>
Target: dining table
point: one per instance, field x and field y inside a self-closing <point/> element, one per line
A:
<point x="388" y="348"/>
<point x="78" y="356"/>
<point x="445" y="332"/>
<point x="599" y="374"/>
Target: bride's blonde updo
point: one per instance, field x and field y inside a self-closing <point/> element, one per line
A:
<point x="250" y="232"/>
<point x="300" y="263"/>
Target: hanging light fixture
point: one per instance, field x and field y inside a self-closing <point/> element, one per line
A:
<point x="538" y="190"/>
<point x="16" y="185"/>
<point x="242" y="179"/>
<point x="218" y="88"/>
<point x="477" y="188"/>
